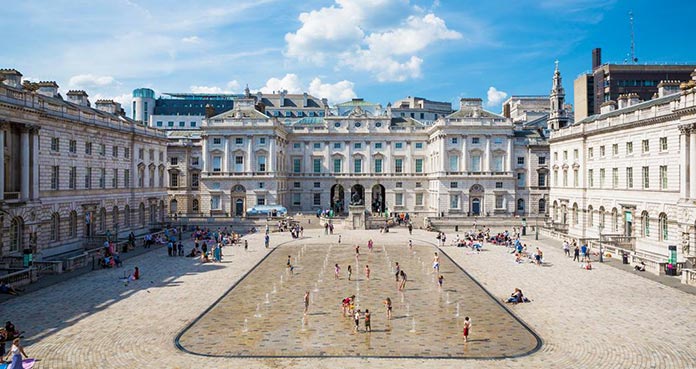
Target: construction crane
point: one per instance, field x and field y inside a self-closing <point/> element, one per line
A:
<point x="631" y="57"/>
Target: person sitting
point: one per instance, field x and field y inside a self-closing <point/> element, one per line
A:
<point x="516" y="297"/>
<point x="640" y="267"/>
<point x="117" y="260"/>
<point x="135" y="275"/>
<point x="194" y="252"/>
<point x="8" y="289"/>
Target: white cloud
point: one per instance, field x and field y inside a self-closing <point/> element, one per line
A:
<point x="90" y="80"/>
<point x="336" y="92"/>
<point x="191" y="40"/>
<point x="495" y="97"/>
<point x="231" y="88"/>
<point x="291" y="83"/>
<point x="358" y="34"/>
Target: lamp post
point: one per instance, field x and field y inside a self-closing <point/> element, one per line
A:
<point x="601" y="253"/>
<point x="536" y="228"/>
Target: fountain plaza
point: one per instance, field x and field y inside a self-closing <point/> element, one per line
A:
<point x="263" y="314"/>
<point x="604" y="318"/>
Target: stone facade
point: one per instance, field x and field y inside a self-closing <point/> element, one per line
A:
<point x="71" y="172"/>
<point x="629" y="174"/>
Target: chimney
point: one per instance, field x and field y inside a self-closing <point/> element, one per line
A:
<point x="11" y="77"/>
<point x="665" y="88"/>
<point x="623" y="101"/>
<point x="109" y="106"/>
<point x="607" y="106"/>
<point x="633" y="99"/>
<point x="78" y="97"/>
<point x="596" y="58"/>
<point x="282" y="97"/>
<point x="304" y="100"/>
<point x="209" y="111"/>
<point x="48" y="88"/>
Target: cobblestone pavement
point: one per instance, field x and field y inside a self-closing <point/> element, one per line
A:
<point x="263" y="315"/>
<point x="604" y="318"/>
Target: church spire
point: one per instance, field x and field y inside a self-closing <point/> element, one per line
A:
<point x="558" y="118"/>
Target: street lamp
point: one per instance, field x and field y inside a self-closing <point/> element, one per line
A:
<point x="601" y="253"/>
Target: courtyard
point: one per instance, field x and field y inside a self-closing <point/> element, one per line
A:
<point x="604" y="318"/>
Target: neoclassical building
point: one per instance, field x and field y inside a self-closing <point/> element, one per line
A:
<point x="70" y="171"/>
<point x="471" y="162"/>
<point x="628" y="174"/>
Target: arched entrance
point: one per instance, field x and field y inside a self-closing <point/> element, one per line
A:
<point x="378" y="198"/>
<point x="337" y="198"/>
<point x="476" y="203"/>
<point x="239" y="200"/>
<point x="357" y="195"/>
<point x="172" y="206"/>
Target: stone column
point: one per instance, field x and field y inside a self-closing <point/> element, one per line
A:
<point x="2" y="163"/>
<point x="692" y="164"/>
<point x="683" y="163"/>
<point x="509" y="156"/>
<point x="465" y="155"/>
<point x="226" y="162"/>
<point x="248" y="160"/>
<point x="204" y="153"/>
<point x="35" y="164"/>
<point x="487" y="155"/>
<point x="271" y="155"/>
<point x="24" y="144"/>
<point x="443" y="155"/>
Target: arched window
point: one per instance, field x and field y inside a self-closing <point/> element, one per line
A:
<point x="72" y="224"/>
<point x="194" y="206"/>
<point x="555" y="211"/>
<point x="614" y="220"/>
<point x="115" y="218"/>
<point x="645" y="224"/>
<point x="173" y="206"/>
<point x="102" y="219"/>
<point x="542" y="206"/>
<point x="575" y="214"/>
<point x="126" y="216"/>
<point x="590" y="220"/>
<point x="602" y="218"/>
<point x="664" y="229"/>
<point x="55" y="227"/>
<point x="16" y="234"/>
<point x="141" y="214"/>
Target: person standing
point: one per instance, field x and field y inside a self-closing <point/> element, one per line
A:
<point x="440" y="281"/>
<point x="267" y="240"/>
<point x="410" y="228"/>
<point x="246" y="245"/>
<point x="583" y="252"/>
<point x="339" y="239"/>
<point x="436" y="263"/>
<point x="467" y="329"/>
<point x="402" y="285"/>
<point x="337" y="271"/>
<point x="370" y="244"/>
<point x="367" y="272"/>
<point x="16" y="352"/>
<point x="356" y="317"/>
<point x="306" y="302"/>
<point x="576" y="253"/>
<point x="566" y="248"/>
<point x="388" y="307"/>
<point x="350" y="272"/>
<point x="410" y="244"/>
<point x="398" y="269"/>
<point x="368" y="327"/>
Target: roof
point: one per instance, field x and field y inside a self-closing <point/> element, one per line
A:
<point x="309" y="120"/>
<point x="405" y="122"/>
<point x="357" y="102"/>
<point x="245" y="113"/>
<point x="632" y="108"/>
<point x="176" y="134"/>
<point x="291" y="101"/>
<point x="473" y="112"/>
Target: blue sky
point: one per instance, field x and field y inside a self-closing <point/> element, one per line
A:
<point x="381" y="50"/>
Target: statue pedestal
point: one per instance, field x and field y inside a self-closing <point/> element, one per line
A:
<point x="356" y="217"/>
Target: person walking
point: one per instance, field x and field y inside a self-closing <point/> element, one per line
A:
<point x="402" y="285"/>
<point x="246" y="245"/>
<point x="337" y="271"/>
<point x="306" y="302"/>
<point x="566" y="248"/>
<point x="356" y="318"/>
<point x="350" y="272"/>
<point x="397" y="269"/>
<point x="584" y="253"/>
<point x="267" y="240"/>
<point x="367" y="272"/>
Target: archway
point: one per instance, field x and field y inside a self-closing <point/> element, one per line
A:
<point x="172" y="206"/>
<point x="378" y="198"/>
<point x="357" y="195"/>
<point x="337" y="198"/>
<point x="239" y="200"/>
<point x="475" y="206"/>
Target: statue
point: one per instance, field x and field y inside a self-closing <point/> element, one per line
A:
<point x="356" y="199"/>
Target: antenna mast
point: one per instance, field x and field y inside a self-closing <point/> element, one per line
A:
<point x="633" y="59"/>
